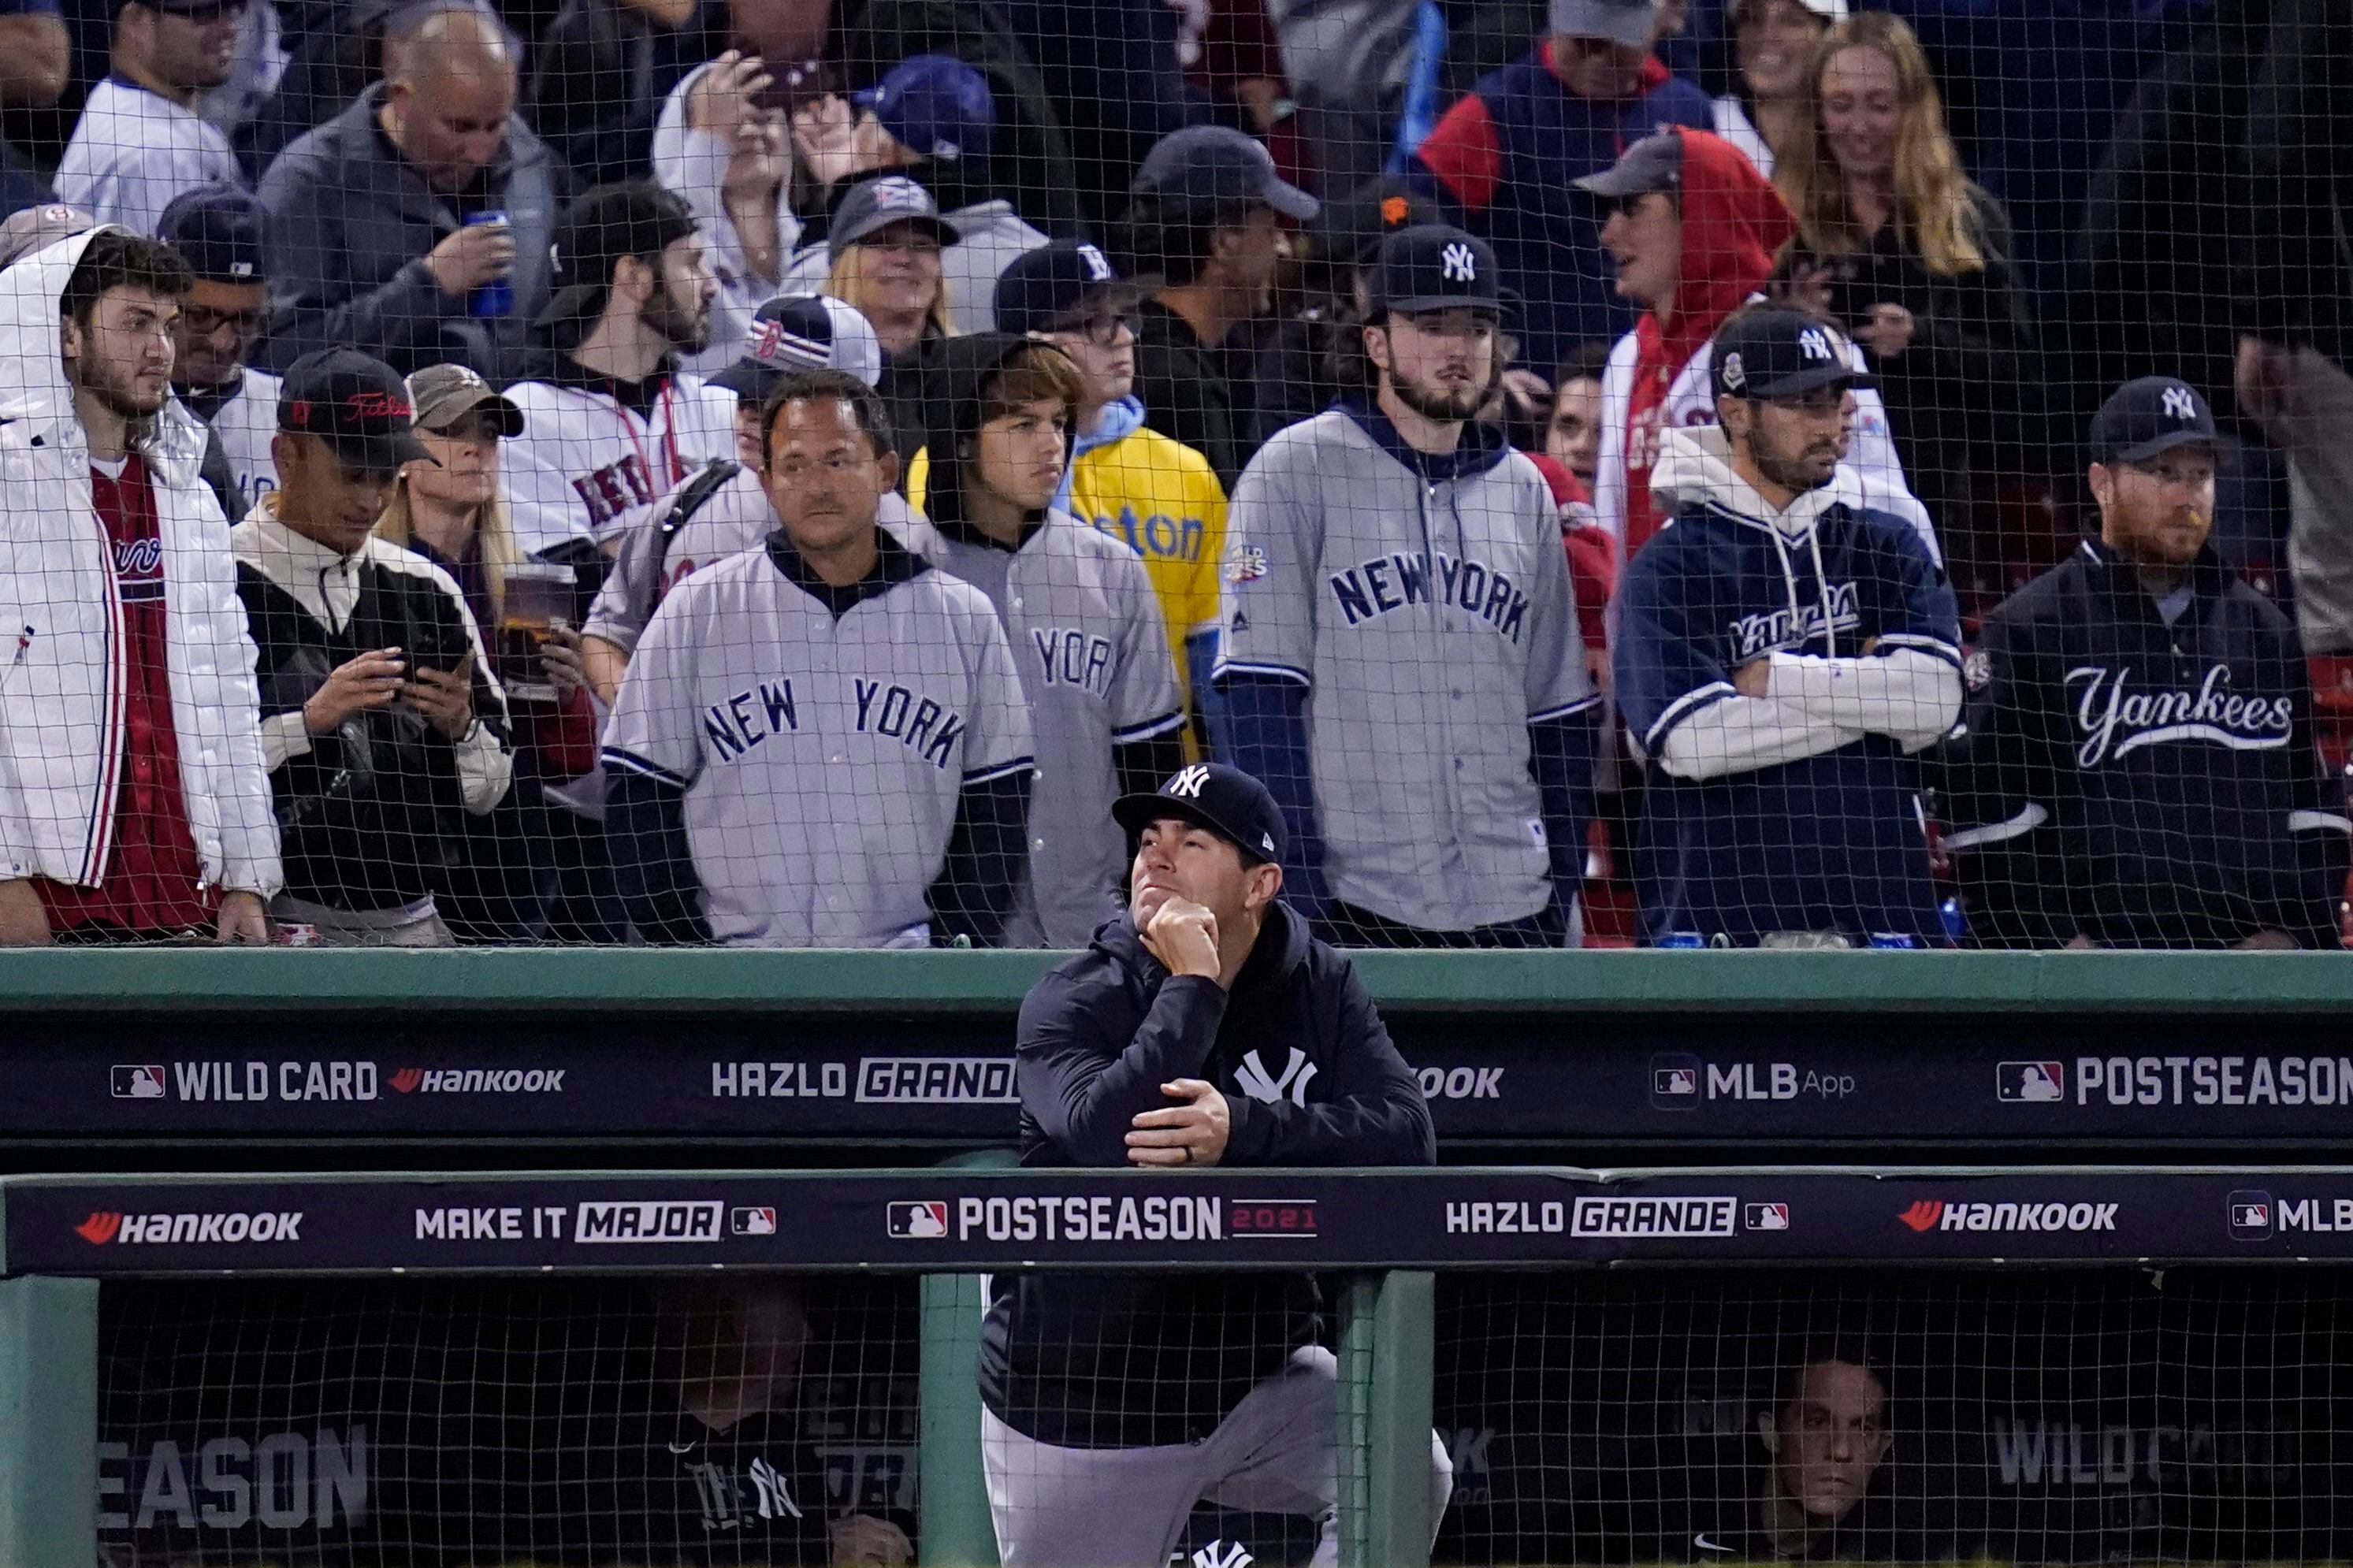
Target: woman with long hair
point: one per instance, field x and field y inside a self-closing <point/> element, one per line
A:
<point x="888" y="234"/>
<point x="1772" y="43"/>
<point x="1896" y="241"/>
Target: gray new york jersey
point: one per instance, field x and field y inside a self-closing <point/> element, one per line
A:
<point x="821" y="755"/>
<point x="1087" y="639"/>
<point x="735" y="516"/>
<point x="1432" y="624"/>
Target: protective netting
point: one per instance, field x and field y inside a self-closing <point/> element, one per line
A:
<point x="860" y="440"/>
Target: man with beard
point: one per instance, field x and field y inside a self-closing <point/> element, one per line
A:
<point x="2136" y="766"/>
<point x="1783" y="648"/>
<point x="610" y="423"/>
<point x="140" y="140"/>
<point x="1400" y="655"/>
<point x="134" y="803"/>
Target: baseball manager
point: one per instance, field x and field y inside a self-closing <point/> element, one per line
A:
<point x="1202" y="1027"/>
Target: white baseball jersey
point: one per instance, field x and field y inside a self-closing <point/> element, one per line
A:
<point x="734" y="515"/>
<point x="133" y="150"/>
<point x="822" y="737"/>
<point x="245" y="424"/>
<point x="1093" y="655"/>
<point x="587" y="466"/>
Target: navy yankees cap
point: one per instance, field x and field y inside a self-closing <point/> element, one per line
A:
<point x="222" y="233"/>
<point x="1218" y="166"/>
<point x="1772" y="352"/>
<point x="873" y="206"/>
<point x="2153" y="415"/>
<point x="935" y="106"/>
<point x="1435" y="267"/>
<point x="1061" y="285"/>
<point x="807" y="331"/>
<point x="603" y="224"/>
<point x="1226" y="800"/>
<point x="355" y="404"/>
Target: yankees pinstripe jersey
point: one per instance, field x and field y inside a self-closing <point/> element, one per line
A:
<point x="821" y="735"/>
<point x="1088" y="640"/>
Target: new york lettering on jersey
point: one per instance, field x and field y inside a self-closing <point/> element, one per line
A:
<point x="926" y="725"/>
<point x="1400" y="579"/>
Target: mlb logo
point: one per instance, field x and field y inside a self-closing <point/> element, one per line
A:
<point x="1766" y="1216"/>
<point x="926" y="1220"/>
<point x="751" y="1222"/>
<point x="2030" y="1083"/>
<point x="142" y="1081"/>
<point x="2251" y="1215"/>
<point x="1674" y="1082"/>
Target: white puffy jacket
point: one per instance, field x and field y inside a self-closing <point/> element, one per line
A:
<point x="62" y="675"/>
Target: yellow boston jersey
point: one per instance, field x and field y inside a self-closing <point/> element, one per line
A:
<point x="1163" y="499"/>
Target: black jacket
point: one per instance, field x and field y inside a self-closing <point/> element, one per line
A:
<point x="372" y="814"/>
<point x="1190" y="389"/>
<point x="1307" y="1068"/>
<point x="2140" y="784"/>
<point x="351" y="221"/>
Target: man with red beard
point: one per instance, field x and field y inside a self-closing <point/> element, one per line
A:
<point x="1693" y="229"/>
<point x="135" y="804"/>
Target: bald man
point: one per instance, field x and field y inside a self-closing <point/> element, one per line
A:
<point x="416" y="223"/>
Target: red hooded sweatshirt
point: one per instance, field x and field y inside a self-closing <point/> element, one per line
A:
<point x="1733" y="223"/>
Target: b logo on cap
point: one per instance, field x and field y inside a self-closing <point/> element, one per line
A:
<point x="2180" y="402"/>
<point x="1814" y="344"/>
<point x="1460" y="265"/>
<point x="1188" y="782"/>
<point x="1097" y="268"/>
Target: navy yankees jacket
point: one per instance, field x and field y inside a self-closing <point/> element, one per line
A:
<point x="2142" y="783"/>
<point x="1795" y="811"/>
<point x="1306" y="1066"/>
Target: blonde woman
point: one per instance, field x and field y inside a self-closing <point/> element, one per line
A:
<point x="885" y="246"/>
<point x="532" y="865"/>
<point x="1897" y="242"/>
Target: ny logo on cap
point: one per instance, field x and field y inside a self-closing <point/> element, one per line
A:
<point x="900" y="193"/>
<point x="1098" y="269"/>
<point x="1459" y="264"/>
<point x="1188" y="783"/>
<point x="2180" y="402"/>
<point x="1814" y="344"/>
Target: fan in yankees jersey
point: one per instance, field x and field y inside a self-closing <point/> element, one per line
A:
<point x="722" y="507"/>
<point x="822" y="743"/>
<point x="691" y="1444"/>
<point x="1077" y="608"/>
<point x="610" y="423"/>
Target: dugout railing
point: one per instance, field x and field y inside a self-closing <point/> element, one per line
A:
<point x="1384" y="1236"/>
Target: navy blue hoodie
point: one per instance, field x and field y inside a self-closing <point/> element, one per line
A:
<point x="1307" y="1069"/>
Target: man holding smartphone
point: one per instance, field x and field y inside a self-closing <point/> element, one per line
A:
<point x="380" y="722"/>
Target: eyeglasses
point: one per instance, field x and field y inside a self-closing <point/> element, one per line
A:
<point x="1100" y="330"/>
<point x="204" y="321"/>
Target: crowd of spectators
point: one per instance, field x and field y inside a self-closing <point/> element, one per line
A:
<point x="1770" y="472"/>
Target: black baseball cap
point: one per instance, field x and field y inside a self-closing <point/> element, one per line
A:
<point x="2153" y="415"/>
<point x="873" y="206"/>
<point x="1059" y="285"/>
<point x="1220" y="166"/>
<point x="1772" y="352"/>
<point x="1349" y="230"/>
<point x="221" y="232"/>
<point x="1435" y="267"/>
<point x="1653" y="164"/>
<point x="1226" y="800"/>
<point x="603" y="225"/>
<point x="355" y="404"/>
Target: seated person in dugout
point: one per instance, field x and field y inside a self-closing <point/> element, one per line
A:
<point x="1804" y="1490"/>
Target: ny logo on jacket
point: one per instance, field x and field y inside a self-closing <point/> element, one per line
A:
<point x="1272" y="1090"/>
